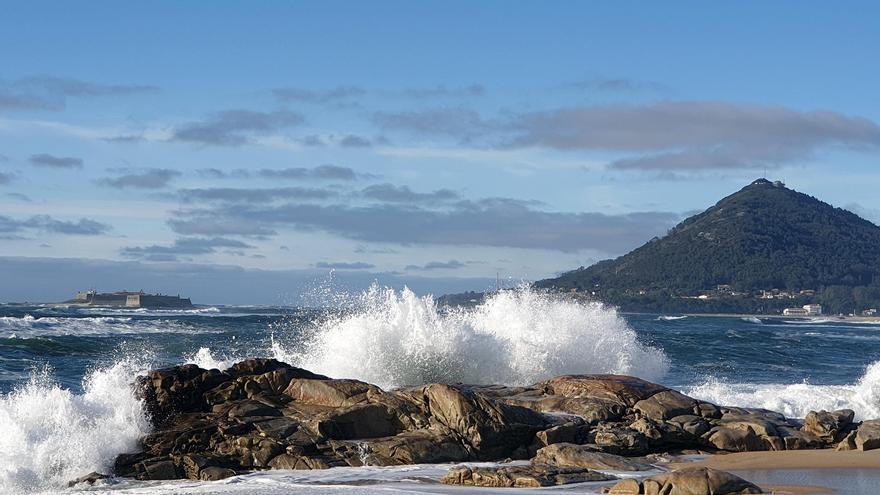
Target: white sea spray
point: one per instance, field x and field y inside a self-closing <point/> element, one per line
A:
<point x="50" y="435"/>
<point x="396" y="338"/>
<point x="798" y="399"/>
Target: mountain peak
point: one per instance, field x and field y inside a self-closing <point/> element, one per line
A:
<point x="764" y="236"/>
<point x="761" y="181"/>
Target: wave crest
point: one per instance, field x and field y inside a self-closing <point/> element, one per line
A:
<point x="797" y="400"/>
<point x="49" y="435"/>
<point x="515" y="337"/>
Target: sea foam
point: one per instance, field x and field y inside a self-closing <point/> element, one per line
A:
<point x="28" y="326"/>
<point x="50" y="435"/>
<point x="516" y="337"/>
<point x="206" y="359"/>
<point x="797" y="400"/>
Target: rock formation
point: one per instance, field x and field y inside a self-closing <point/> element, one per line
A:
<point x="689" y="481"/>
<point x="264" y="414"/>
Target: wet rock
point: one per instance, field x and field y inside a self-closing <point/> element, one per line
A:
<point x="591" y="410"/>
<point x="665" y="405"/>
<point x="163" y="469"/>
<point x="251" y="408"/>
<point x="621" y="440"/>
<point x="331" y="393"/>
<point x="688" y="481"/>
<point x="292" y="461"/>
<point x="628" y="486"/>
<point x="830" y="427"/>
<point x="88" y="479"/>
<point x="214" y="473"/>
<point x="624" y="389"/>
<point x="181" y="389"/>
<point x="693" y="425"/>
<point x="264" y="414"/>
<point x="582" y="456"/>
<point x="530" y="476"/>
<point x="262" y="366"/>
<point x="279" y="428"/>
<point x="567" y="432"/>
<point x="735" y="439"/>
<point x="360" y="421"/>
<point x="795" y="439"/>
<point x="492" y="430"/>
<point x="868" y="435"/>
<point x="417" y="447"/>
<point x="848" y="442"/>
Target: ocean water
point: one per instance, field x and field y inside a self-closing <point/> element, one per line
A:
<point x="66" y="406"/>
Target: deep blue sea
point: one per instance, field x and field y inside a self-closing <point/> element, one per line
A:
<point x="66" y="407"/>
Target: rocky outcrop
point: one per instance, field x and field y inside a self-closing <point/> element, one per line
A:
<point x="867" y="437"/>
<point x="264" y="414"/>
<point x="529" y="476"/>
<point x="585" y="457"/>
<point x="89" y="479"/>
<point x="688" y="481"/>
<point x="829" y="427"/>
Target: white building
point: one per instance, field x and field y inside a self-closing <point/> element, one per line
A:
<point x="813" y="309"/>
<point x="795" y="312"/>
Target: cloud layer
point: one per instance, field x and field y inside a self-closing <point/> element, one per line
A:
<point x="671" y="135"/>
<point x="236" y="127"/>
<point x="51" y="93"/>
<point x="498" y="222"/>
<point x="151" y="178"/>
<point x="52" y="161"/>
<point x="49" y="224"/>
<point x="183" y="247"/>
<point x="321" y="172"/>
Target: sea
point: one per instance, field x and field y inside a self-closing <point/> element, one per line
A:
<point x="67" y="406"/>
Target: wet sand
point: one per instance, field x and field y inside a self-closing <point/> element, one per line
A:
<point x="792" y="459"/>
<point x="801" y="471"/>
<point x="795" y="489"/>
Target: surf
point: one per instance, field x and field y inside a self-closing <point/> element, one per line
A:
<point x="515" y="337"/>
<point x="796" y="400"/>
<point x="50" y="435"/>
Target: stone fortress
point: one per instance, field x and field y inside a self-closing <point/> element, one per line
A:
<point x="127" y="299"/>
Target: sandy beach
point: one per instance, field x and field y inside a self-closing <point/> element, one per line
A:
<point x="792" y="459"/>
<point x="800" y="471"/>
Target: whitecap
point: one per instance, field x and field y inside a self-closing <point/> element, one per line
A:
<point x="515" y="337"/>
<point x="50" y="435"/>
<point x="798" y="399"/>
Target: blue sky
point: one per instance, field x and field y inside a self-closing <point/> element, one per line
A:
<point x="433" y="144"/>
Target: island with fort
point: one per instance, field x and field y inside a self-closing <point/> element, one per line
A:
<point x="128" y="299"/>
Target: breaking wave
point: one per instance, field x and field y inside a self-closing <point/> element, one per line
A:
<point x="206" y="359"/>
<point x="206" y="311"/>
<point x="515" y="337"/>
<point x="796" y="400"/>
<point x="29" y="326"/>
<point x="49" y="435"/>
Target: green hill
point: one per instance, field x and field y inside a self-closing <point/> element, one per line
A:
<point x="763" y="237"/>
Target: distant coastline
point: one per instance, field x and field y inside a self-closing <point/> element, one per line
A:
<point x="783" y="317"/>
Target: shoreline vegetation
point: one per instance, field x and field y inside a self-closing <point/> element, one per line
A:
<point x="263" y="414"/>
